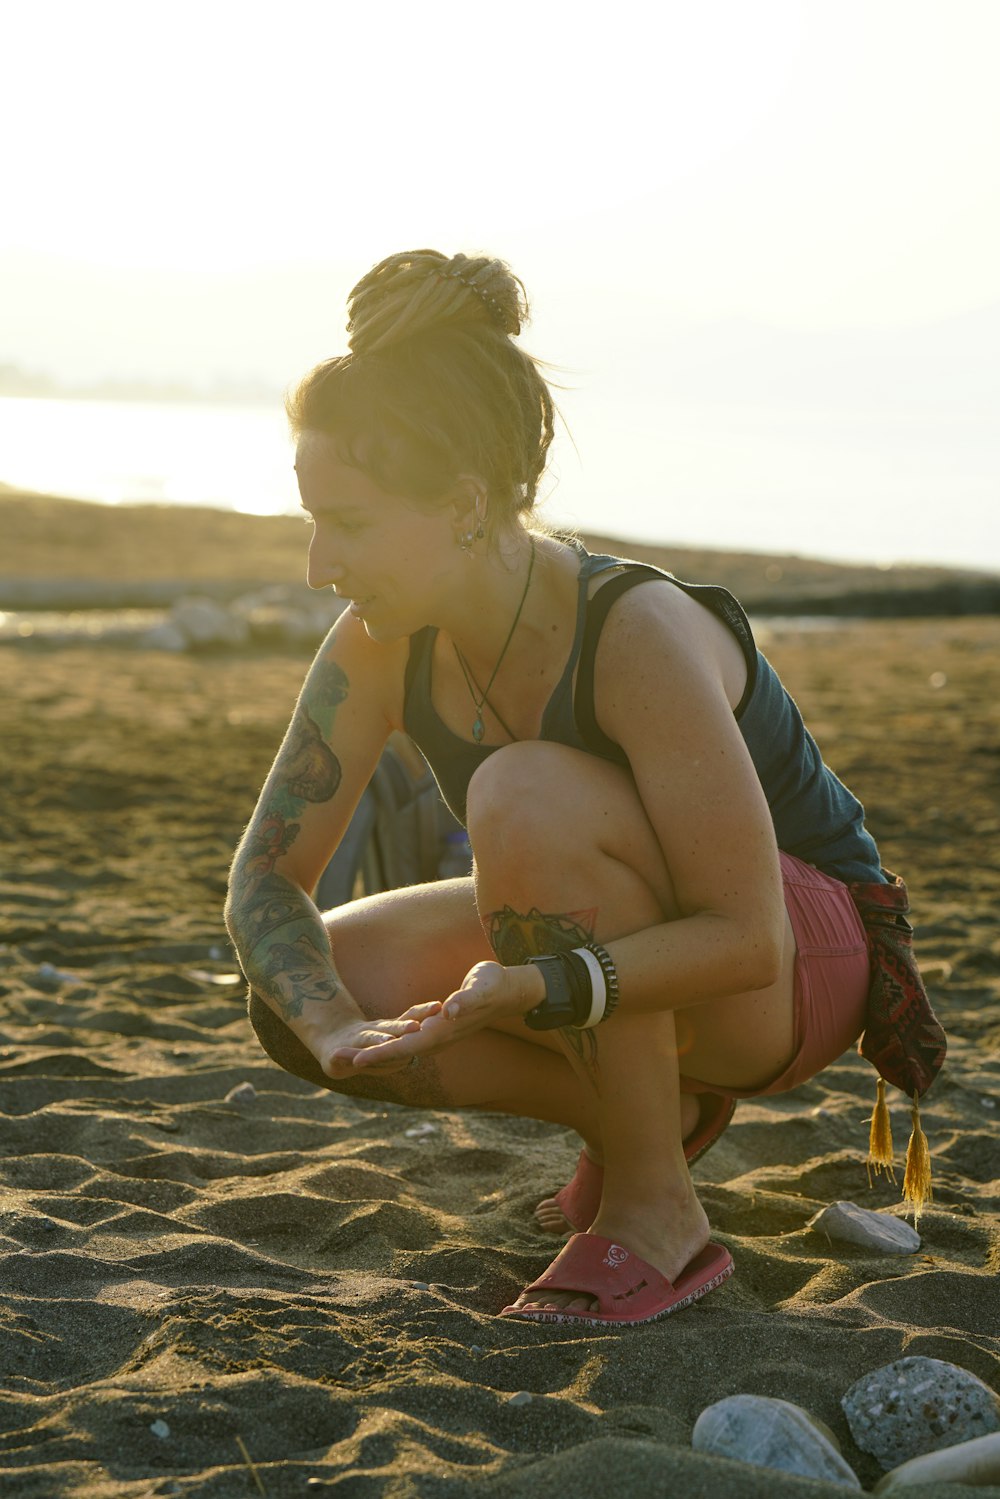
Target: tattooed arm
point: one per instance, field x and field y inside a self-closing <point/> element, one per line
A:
<point x="327" y="757"/>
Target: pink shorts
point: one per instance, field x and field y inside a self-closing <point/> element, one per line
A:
<point x="832" y="977"/>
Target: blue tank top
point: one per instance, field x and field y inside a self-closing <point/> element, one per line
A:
<point x="815" y="817"/>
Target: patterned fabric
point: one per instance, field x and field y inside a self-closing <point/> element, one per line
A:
<point x="903" y="1037"/>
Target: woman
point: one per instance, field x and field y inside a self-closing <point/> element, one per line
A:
<point x="647" y="813"/>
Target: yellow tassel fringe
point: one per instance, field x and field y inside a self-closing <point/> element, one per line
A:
<point x="917" y="1179"/>
<point x="880" y="1138"/>
<point x="917" y="1187"/>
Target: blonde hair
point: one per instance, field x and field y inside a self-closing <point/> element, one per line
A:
<point x="434" y="385"/>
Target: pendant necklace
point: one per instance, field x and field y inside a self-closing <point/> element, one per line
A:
<point x="479" y="728"/>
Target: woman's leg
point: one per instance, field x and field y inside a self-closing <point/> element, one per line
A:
<point x="565" y="854"/>
<point x="401" y="948"/>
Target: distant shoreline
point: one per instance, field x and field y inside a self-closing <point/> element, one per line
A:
<point x="61" y="553"/>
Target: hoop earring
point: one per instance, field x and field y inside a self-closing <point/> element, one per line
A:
<point x="480" y="517"/>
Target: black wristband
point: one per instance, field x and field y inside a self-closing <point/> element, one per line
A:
<point x="567" y="992"/>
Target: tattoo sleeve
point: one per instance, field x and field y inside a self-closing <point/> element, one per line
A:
<point x="516" y="937"/>
<point x="278" y="932"/>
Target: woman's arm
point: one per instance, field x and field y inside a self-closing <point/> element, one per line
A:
<point x="344" y="713"/>
<point x="664" y="691"/>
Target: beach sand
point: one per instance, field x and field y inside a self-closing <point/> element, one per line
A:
<point x="296" y="1293"/>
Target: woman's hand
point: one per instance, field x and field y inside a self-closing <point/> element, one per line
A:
<point x="362" y="1043"/>
<point x="489" y="993"/>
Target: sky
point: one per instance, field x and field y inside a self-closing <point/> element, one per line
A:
<point x="719" y="207"/>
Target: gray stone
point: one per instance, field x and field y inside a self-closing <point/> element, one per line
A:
<point x="918" y="1405"/>
<point x="976" y="1463"/>
<point x="878" y="1232"/>
<point x="523" y="1397"/>
<point x="772" y="1434"/>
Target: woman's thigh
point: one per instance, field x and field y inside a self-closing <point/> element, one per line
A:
<point x="405" y="947"/>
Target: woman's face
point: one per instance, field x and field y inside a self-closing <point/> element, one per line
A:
<point x="376" y="549"/>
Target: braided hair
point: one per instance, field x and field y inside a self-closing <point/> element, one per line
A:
<point x="434" y="385"/>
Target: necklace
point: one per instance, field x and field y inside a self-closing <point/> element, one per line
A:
<point x="478" y="727"/>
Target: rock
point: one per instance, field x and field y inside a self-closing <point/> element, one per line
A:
<point x="522" y="1397"/>
<point x="975" y="1462"/>
<point x="242" y="1093"/>
<point x="160" y="1429"/>
<point x="204" y="623"/>
<point x="918" y="1405"/>
<point x="165" y="637"/>
<point x="876" y="1231"/>
<point x="772" y="1434"/>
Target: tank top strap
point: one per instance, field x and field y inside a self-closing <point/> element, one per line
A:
<point x="719" y="600"/>
<point x="597" y="612"/>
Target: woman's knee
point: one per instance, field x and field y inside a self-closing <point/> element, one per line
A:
<point x="530" y="788"/>
<point x="534" y="799"/>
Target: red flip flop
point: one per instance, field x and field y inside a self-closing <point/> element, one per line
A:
<point x="627" y="1290"/>
<point x="579" y="1199"/>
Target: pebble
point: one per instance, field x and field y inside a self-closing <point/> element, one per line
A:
<point x="522" y="1397"/>
<point x="876" y="1231"/>
<point x="918" y="1405"/>
<point x="53" y="975"/>
<point x="420" y="1131"/>
<point x="160" y="1429"/>
<point x="772" y="1434"/>
<point x="975" y="1462"/>
<point x="242" y="1093"/>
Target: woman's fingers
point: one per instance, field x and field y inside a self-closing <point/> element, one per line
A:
<point x="422" y="1012"/>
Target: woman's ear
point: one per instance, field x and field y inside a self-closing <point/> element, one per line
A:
<point x="468" y="506"/>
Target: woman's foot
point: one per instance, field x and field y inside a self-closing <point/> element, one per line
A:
<point x="668" y="1238"/>
<point x="574" y="1207"/>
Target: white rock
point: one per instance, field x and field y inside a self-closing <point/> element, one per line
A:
<point x="165" y="637"/>
<point x="918" y="1405"/>
<point x="242" y="1093"/>
<point x="203" y="622"/>
<point x="160" y="1429"/>
<point x="772" y="1434"/>
<point x="975" y="1462"/>
<point x="879" y="1232"/>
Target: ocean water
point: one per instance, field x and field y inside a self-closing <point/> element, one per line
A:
<point x="830" y="485"/>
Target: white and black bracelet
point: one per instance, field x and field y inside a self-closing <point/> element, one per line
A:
<point x="610" y="972"/>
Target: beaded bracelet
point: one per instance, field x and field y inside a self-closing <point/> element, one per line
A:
<point x="607" y="964"/>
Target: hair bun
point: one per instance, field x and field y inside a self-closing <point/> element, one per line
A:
<point x="417" y="290"/>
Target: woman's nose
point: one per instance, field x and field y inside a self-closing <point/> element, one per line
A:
<point x="323" y="570"/>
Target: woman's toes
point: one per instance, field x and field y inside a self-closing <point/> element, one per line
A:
<point x="550" y="1217"/>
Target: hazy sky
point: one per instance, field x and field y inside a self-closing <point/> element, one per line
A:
<point x="726" y="203"/>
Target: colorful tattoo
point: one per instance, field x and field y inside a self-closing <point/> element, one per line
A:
<point x="300" y="971"/>
<point x="280" y="935"/>
<point x="311" y="769"/>
<point x="515" y="938"/>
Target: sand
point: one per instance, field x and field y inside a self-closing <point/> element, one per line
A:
<point x="295" y="1293"/>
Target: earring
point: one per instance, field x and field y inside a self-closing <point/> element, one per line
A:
<point x="480" y="517"/>
<point x="465" y="541"/>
